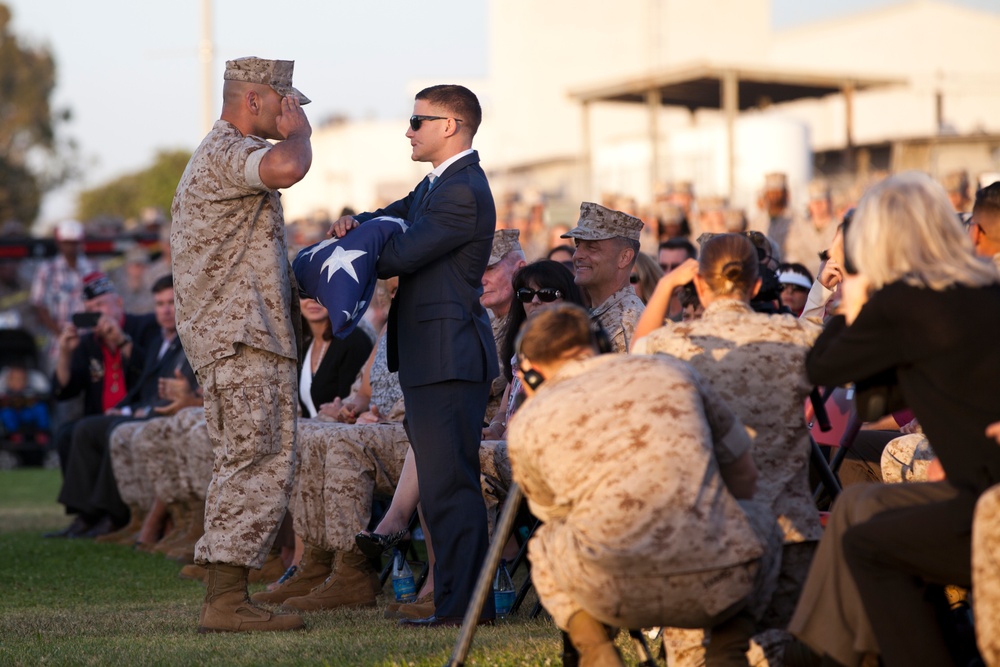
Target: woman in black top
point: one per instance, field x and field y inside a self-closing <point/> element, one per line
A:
<point x="923" y="311"/>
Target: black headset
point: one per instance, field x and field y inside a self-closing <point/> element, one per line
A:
<point x="599" y="339"/>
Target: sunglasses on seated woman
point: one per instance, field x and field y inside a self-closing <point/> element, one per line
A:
<point x="545" y="295"/>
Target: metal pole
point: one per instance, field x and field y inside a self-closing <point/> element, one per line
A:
<point x="485" y="582"/>
<point x="205" y="57"/>
<point x="653" y="103"/>
<point x="730" y="106"/>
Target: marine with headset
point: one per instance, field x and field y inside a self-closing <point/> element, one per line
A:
<point x="647" y="518"/>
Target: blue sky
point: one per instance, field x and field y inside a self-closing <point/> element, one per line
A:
<point x="129" y="70"/>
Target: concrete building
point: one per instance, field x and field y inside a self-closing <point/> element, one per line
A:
<point x="938" y="107"/>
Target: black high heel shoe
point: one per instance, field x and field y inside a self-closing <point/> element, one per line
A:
<point x="373" y="545"/>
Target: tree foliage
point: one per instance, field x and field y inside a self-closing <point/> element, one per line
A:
<point x="128" y="195"/>
<point x="32" y="159"/>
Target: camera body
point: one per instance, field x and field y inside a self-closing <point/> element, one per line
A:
<point x="85" y="320"/>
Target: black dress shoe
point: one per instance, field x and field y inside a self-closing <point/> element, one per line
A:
<point x="439" y="622"/>
<point x="103" y="527"/>
<point x="373" y="545"/>
<point x="77" y="528"/>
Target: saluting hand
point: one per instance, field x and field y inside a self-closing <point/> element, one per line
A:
<point x="292" y="122"/>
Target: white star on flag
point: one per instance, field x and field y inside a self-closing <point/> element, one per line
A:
<point x="319" y="246"/>
<point x="342" y="259"/>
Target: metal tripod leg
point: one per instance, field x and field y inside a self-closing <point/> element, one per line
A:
<point x="485" y="582"/>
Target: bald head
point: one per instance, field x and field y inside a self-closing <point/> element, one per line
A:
<point x="251" y="107"/>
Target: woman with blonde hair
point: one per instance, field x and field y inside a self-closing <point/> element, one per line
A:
<point x="921" y="311"/>
<point x="645" y="274"/>
<point x="756" y="363"/>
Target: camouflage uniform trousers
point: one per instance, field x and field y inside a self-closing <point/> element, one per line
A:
<point x="568" y="581"/>
<point x="179" y="456"/>
<point x="686" y="648"/>
<point x="135" y="486"/>
<point x="495" y="477"/>
<point x="905" y="459"/>
<point x="250" y="413"/>
<point x="341" y="467"/>
<point x="986" y="574"/>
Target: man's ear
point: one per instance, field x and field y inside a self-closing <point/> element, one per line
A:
<point x="252" y="100"/>
<point x="626" y="257"/>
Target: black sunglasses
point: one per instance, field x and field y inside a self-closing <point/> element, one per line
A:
<point x="545" y="295"/>
<point x="417" y="121"/>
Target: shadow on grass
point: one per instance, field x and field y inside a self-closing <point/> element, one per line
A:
<point x="76" y="602"/>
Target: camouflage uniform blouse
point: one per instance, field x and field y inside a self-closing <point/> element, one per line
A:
<point x="623" y="453"/>
<point x="231" y="274"/>
<point x="619" y="315"/>
<point x="756" y="363"/>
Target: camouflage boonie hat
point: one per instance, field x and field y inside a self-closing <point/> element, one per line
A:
<point x="597" y="223"/>
<point x="274" y="73"/>
<point x="504" y="241"/>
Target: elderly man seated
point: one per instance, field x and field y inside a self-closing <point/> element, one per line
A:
<point x="643" y="477"/>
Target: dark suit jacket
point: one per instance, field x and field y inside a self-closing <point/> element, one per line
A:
<point x="87" y="364"/>
<point x="438" y="331"/>
<point x="146" y="391"/>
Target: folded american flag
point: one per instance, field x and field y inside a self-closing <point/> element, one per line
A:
<point x="340" y="273"/>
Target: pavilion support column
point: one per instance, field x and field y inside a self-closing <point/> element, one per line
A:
<point x="653" y="103"/>
<point x="587" y="157"/>
<point x="730" y="107"/>
<point x="848" y="91"/>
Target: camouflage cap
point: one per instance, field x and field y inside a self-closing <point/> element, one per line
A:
<point x="274" y="73"/>
<point x="504" y="241"/>
<point x="776" y="180"/>
<point x="597" y="223"/>
<point x="956" y="181"/>
<point x="819" y="189"/>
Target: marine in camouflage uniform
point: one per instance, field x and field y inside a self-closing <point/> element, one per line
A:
<point x="619" y="315"/>
<point x="906" y="458"/>
<point x="135" y="483"/>
<point x="341" y="467"/>
<point x="639" y="529"/>
<point x="986" y="574"/>
<point x="600" y="234"/>
<point x="233" y="289"/>
<point x="236" y="306"/>
<point x="756" y="363"/>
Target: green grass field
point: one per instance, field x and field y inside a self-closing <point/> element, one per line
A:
<point x="75" y="602"/>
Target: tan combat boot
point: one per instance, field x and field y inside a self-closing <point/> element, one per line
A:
<point x="311" y="571"/>
<point x="228" y="609"/>
<point x="422" y="607"/>
<point x="180" y="516"/>
<point x="350" y="585"/>
<point x="126" y="534"/>
<point x="590" y="638"/>
<point x="271" y="570"/>
<point x="183" y="548"/>
<point x="193" y="572"/>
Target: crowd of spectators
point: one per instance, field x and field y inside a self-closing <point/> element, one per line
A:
<point x="712" y="319"/>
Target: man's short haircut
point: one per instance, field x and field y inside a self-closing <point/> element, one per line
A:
<point x="458" y="100"/>
<point x="625" y="242"/>
<point x="164" y="283"/>
<point x="679" y="243"/>
<point x="988" y="200"/>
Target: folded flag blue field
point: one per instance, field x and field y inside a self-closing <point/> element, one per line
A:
<point x="340" y="273"/>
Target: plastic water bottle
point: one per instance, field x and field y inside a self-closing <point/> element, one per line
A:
<point x="402" y="578"/>
<point x="503" y="590"/>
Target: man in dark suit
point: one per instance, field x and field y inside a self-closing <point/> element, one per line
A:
<point x="89" y="489"/>
<point x="440" y="339"/>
